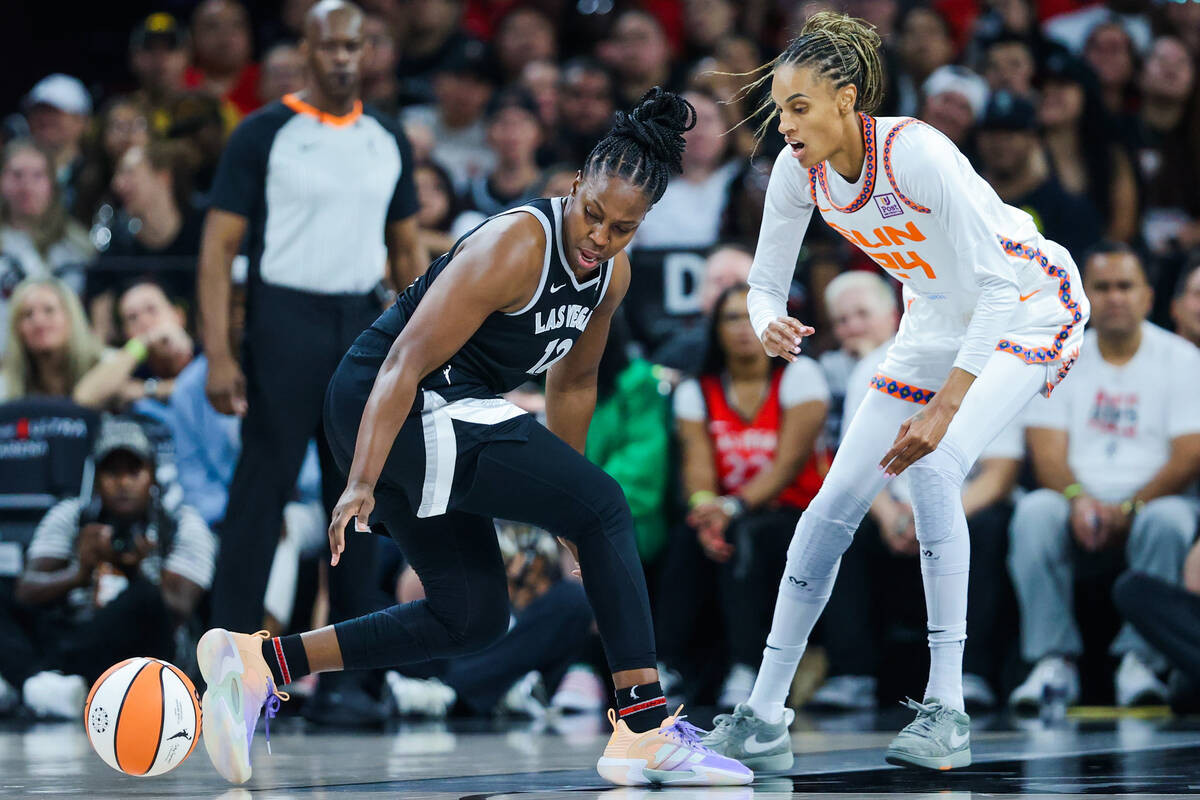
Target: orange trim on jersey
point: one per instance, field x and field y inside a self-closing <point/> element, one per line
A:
<point x="1042" y="355"/>
<point x="300" y="107"/>
<point x="887" y="167"/>
<point x="900" y="389"/>
<point x="869" y="164"/>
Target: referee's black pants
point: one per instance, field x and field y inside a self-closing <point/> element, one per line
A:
<point x="294" y="341"/>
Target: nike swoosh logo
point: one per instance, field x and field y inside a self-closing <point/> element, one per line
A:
<point x="957" y="739"/>
<point x="554" y="288"/>
<point x="1025" y="297"/>
<point x="753" y="745"/>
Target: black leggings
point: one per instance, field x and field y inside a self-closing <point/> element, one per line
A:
<point x="542" y="481"/>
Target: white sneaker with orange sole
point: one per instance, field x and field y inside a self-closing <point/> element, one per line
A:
<point x="670" y="755"/>
<point x="240" y="688"/>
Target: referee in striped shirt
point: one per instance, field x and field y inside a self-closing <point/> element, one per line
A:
<point x="321" y="189"/>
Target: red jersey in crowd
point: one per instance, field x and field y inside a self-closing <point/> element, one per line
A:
<point x="243" y="95"/>
<point x="742" y="447"/>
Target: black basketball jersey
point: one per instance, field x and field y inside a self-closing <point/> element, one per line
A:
<point x="511" y="348"/>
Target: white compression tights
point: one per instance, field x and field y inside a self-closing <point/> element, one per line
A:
<point x="828" y="525"/>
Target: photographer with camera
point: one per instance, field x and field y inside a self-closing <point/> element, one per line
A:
<point x="104" y="580"/>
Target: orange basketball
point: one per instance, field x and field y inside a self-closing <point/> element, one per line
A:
<point x="143" y="717"/>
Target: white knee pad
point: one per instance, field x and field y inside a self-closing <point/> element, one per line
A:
<point x="813" y="557"/>
<point x="936" y="485"/>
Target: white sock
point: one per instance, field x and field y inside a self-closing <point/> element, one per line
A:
<point x="812" y="565"/>
<point x="945" y="567"/>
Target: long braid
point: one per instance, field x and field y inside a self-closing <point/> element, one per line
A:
<point x="645" y="146"/>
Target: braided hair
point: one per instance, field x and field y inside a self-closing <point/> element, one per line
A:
<point x="645" y="146"/>
<point x="838" y="47"/>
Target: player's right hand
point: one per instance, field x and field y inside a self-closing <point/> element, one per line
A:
<point x="356" y="503"/>
<point x="226" y="386"/>
<point x="782" y="337"/>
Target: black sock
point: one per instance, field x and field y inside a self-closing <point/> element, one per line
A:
<point x="286" y="657"/>
<point x="642" y="707"/>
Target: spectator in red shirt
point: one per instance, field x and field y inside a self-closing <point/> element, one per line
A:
<point x="222" y="55"/>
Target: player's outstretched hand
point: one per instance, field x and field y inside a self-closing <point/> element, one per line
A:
<point x="919" y="436"/>
<point x="356" y="503"/>
<point x="782" y="337"/>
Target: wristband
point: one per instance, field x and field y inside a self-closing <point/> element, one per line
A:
<point x="136" y="348"/>
<point x="1072" y="491"/>
<point x="702" y="496"/>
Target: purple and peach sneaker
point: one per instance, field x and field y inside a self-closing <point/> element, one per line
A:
<point x="670" y="755"/>
<point x="240" y="688"/>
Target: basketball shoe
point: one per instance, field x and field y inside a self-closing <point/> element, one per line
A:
<point x="760" y="745"/>
<point x="939" y="738"/>
<point x="669" y="755"/>
<point x="240" y="688"/>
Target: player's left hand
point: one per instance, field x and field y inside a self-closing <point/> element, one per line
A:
<point x="919" y="436"/>
<point x="357" y="503"/>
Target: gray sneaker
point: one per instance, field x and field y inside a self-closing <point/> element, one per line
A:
<point x="939" y="738"/>
<point x="762" y="746"/>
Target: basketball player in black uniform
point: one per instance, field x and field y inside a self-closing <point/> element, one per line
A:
<point x="433" y="453"/>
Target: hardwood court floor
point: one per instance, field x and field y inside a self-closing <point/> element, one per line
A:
<point x="836" y="756"/>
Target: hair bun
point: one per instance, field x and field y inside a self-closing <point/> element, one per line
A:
<point x="657" y="124"/>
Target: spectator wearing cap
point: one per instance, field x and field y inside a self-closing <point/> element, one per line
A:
<point x="1084" y="153"/>
<point x="1115" y="451"/>
<point x="587" y="98"/>
<point x="924" y="43"/>
<point x="281" y="72"/>
<point x="37" y="237"/>
<point x="523" y="35"/>
<point x="381" y="86"/>
<point x="58" y="108"/>
<point x="1014" y="162"/>
<point x="222" y="55"/>
<point x="1185" y="304"/>
<point x="158" y="58"/>
<point x="954" y="100"/>
<point x="1008" y="64"/>
<point x="462" y="87"/>
<point x="107" y="578"/>
<point x="157" y="348"/>
<point x="1167" y="131"/>
<point x="514" y="133"/>
<point x="322" y="190"/>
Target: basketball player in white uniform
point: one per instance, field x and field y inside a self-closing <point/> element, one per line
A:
<point x="993" y="314"/>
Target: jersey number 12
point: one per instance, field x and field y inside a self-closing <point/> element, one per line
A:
<point x="554" y="351"/>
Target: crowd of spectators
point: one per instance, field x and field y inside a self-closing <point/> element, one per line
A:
<point x="1084" y="114"/>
